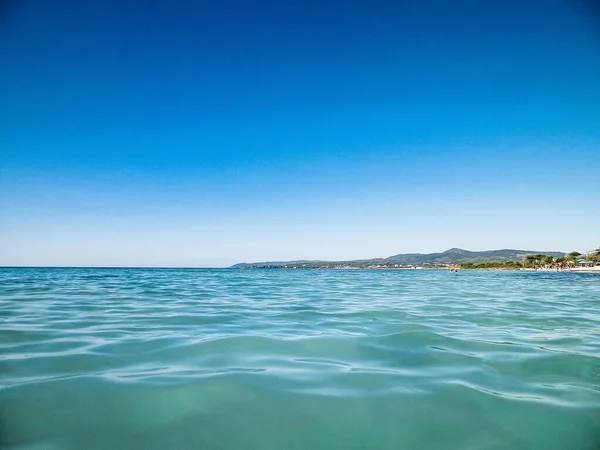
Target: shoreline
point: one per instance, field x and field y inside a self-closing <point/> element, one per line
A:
<point x="595" y="269"/>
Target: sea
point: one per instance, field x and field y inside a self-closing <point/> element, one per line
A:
<point x="298" y="359"/>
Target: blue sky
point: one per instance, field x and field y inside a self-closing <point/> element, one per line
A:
<point x="191" y="133"/>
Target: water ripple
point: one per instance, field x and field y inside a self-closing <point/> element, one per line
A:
<point x="166" y="358"/>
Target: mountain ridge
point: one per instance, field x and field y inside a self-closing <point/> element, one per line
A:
<point x="450" y="256"/>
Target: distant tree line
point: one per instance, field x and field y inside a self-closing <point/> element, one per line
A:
<point x="493" y="265"/>
<point x="539" y="261"/>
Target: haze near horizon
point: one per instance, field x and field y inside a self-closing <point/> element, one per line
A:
<point x="197" y="134"/>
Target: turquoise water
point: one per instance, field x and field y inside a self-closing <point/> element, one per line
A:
<point x="298" y="359"/>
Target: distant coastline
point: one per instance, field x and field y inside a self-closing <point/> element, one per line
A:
<point x="454" y="259"/>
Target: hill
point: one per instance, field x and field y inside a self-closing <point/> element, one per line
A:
<point x="452" y="256"/>
<point x="460" y="256"/>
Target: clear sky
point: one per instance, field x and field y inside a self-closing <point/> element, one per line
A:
<point x="197" y="133"/>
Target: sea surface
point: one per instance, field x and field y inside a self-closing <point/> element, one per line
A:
<point x="298" y="359"/>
